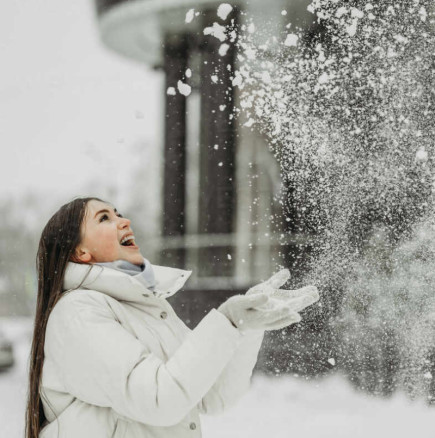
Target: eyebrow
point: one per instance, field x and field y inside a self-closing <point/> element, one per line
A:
<point x="105" y="211"/>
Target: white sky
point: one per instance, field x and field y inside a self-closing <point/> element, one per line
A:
<point x="70" y="110"/>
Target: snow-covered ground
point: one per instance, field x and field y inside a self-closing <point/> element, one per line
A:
<point x="278" y="407"/>
<point x="13" y="382"/>
<point x="285" y="407"/>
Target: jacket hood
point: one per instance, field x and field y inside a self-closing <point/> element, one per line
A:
<point x="121" y="286"/>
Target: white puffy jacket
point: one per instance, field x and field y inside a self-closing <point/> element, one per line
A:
<point x="119" y="363"/>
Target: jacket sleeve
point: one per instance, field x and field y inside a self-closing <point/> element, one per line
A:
<point x="235" y="379"/>
<point x="101" y="363"/>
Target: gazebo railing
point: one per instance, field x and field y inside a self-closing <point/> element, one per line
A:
<point x="254" y="257"/>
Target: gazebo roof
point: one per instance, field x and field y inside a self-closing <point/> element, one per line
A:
<point x="135" y="28"/>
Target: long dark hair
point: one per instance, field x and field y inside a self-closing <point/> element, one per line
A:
<point x="57" y="245"/>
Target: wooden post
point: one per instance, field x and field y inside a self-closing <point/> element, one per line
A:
<point x="217" y="155"/>
<point x="174" y="185"/>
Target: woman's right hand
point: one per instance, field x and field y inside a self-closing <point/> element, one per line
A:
<point x="251" y="312"/>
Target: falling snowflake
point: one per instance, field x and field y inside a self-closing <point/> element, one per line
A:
<point x="224" y="9"/>
<point x="190" y="15"/>
<point x="184" y="89"/>
<point x="291" y="40"/>
<point x="223" y="49"/>
<point x="217" y="30"/>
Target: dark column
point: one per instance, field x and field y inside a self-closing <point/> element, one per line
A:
<point x="217" y="156"/>
<point x="174" y="186"/>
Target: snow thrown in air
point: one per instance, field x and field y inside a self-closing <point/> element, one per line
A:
<point x="224" y="10"/>
<point x="217" y="30"/>
<point x="190" y="14"/>
<point x="183" y="88"/>
<point x="349" y="116"/>
<point x="291" y="40"/>
<point x="223" y="49"/>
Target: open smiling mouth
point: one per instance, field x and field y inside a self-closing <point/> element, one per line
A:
<point x="128" y="241"/>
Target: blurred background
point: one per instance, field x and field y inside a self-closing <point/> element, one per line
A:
<point x="92" y="104"/>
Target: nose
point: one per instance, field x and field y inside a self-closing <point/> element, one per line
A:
<point x="123" y="223"/>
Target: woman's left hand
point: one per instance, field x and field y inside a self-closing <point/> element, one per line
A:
<point x="297" y="299"/>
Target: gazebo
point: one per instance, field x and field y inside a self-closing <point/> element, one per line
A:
<point x="219" y="215"/>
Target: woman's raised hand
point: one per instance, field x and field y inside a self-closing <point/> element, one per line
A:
<point x="251" y="312"/>
<point x="297" y="299"/>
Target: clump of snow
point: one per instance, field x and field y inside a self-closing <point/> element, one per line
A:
<point x="224" y="9"/>
<point x="401" y="39"/>
<point x="223" y="49"/>
<point x="357" y="13"/>
<point x="291" y="40"/>
<point x="352" y="28"/>
<point x="265" y="77"/>
<point x="423" y="13"/>
<point x="341" y="11"/>
<point x="250" y="53"/>
<point x="238" y="80"/>
<point x="188" y="73"/>
<point x="184" y="89"/>
<point x="421" y="155"/>
<point x="171" y="91"/>
<point x="190" y="14"/>
<point x="323" y="78"/>
<point x="217" y="30"/>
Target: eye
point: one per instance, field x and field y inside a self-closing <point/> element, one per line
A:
<point x="104" y="217"/>
<point x="119" y="215"/>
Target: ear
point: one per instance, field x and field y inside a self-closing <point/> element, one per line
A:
<point x="81" y="255"/>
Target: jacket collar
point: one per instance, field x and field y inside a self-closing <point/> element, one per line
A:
<point x="121" y="286"/>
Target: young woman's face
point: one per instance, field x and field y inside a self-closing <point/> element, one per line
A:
<point x="106" y="236"/>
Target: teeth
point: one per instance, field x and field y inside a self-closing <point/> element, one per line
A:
<point x="127" y="238"/>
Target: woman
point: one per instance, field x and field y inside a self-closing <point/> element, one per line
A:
<point x="110" y="358"/>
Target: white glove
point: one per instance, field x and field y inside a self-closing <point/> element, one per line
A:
<point x="246" y="313"/>
<point x="297" y="299"/>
